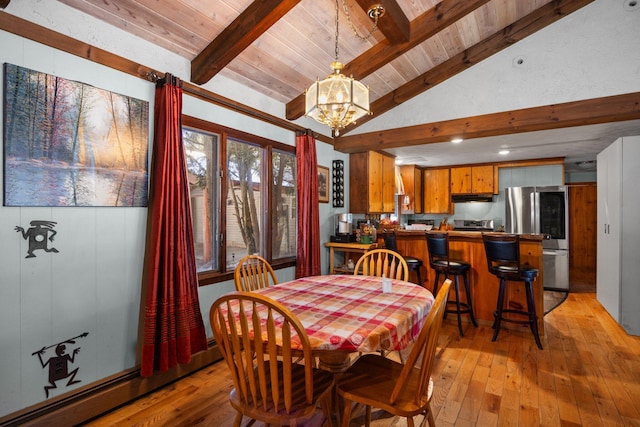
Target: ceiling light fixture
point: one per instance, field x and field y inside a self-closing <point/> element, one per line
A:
<point x="456" y="140"/>
<point x="337" y="101"/>
<point x="503" y="152"/>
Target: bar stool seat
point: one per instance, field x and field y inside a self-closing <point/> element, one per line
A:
<point x="414" y="264"/>
<point x="503" y="259"/>
<point x="439" y="261"/>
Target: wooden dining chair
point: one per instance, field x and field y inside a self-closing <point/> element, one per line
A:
<point x="403" y="390"/>
<point x="379" y="262"/>
<point x="259" y="339"/>
<point x="254" y="272"/>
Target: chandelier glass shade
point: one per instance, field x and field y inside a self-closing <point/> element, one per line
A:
<point x="337" y="101"/>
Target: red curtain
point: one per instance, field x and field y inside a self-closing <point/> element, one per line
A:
<point x="173" y="326"/>
<point x="308" y="256"/>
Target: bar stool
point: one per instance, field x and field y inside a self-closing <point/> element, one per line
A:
<point x="414" y="264"/>
<point x="438" y="247"/>
<point x="503" y="259"/>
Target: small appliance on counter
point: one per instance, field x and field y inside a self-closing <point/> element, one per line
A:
<point x="473" y="224"/>
<point x="343" y="228"/>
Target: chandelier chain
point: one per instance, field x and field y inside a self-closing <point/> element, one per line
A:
<point x="355" y="30"/>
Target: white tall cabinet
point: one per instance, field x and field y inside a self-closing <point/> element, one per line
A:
<point x="618" y="269"/>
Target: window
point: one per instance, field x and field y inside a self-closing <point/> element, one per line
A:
<point x="243" y="198"/>
<point x="201" y="151"/>
<point x="283" y="218"/>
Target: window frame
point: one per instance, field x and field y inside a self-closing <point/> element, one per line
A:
<point x="211" y="277"/>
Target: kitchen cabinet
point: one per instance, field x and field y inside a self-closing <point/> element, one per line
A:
<point x="412" y="181"/>
<point x="472" y="180"/>
<point x="618" y="251"/>
<point x="437" y="191"/>
<point x="372" y="183"/>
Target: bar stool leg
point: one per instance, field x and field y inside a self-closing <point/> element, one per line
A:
<point x="533" y="317"/>
<point x="457" y="284"/>
<point x="435" y="283"/>
<point x="498" y="313"/>
<point x="418" y="275"/>
<point x="467" y="291"/>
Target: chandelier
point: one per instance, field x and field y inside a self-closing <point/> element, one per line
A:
<point x="338" y="101"/>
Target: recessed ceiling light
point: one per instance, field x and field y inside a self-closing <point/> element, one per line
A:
<point x="398" y="161"/>
<point x="456" y="140"/>
<point x="631" y="5"/>
<point x="503" y="152"/>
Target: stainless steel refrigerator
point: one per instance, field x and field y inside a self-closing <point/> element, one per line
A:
<point x="543" y="210"/>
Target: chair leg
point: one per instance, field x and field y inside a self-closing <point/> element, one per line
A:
<point x="533" y="317"/>
<point x="346" y="416"/>
<point x="467" y="290"/>
<point x="457" y="285"/>
<point x="418" y="276"/>
<point x="367" y="422"/>
<point x="498" y="313"/>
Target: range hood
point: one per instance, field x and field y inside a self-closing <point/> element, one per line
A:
<point x="467" y="198"/>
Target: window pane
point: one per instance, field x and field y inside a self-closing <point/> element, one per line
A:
<point x="244" y="201"/>
<point x="201" y="153"/>
<point x="283" y="218"/>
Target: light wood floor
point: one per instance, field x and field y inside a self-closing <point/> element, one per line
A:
<point x="587" y="375"/>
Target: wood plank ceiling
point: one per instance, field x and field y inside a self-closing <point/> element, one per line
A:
<point x="280" y="47"/>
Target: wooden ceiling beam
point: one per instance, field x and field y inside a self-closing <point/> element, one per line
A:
<point x="244" y="30"/>
<point x="525" y="26"/>
<point x="577" y="113"/>
<point x="425" y="26"/>
<point x="394" y="25"/>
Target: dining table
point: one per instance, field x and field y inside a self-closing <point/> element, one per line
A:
<point x="346" y="314"/>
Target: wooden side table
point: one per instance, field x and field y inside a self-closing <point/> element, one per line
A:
<point x="345" y="248"/>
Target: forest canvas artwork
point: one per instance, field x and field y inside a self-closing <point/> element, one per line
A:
<point x="71" y="144"/>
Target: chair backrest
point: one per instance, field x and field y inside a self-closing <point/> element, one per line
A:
<point x="503" y="253"/>
<point x="254" y="272"/>
<point x="382" y="262"/>
<point x="438" y="248"/>
<point x="425" y="347"/>
<point x="390" y="243"/>
<point x="253" y="333"/>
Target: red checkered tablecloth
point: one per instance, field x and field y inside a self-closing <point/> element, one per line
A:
<point x="351" y="313"/>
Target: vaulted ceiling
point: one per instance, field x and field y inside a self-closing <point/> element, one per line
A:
<point x="280" y="47"/>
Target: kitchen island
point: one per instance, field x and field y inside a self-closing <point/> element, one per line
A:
<point x="468" y="246"/>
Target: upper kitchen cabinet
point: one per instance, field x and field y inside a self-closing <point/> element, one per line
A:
<point x="437" y="194"/>
<point x="472" y="180"/>
<point x="372" y="184"/>
<point x="412" y="181"/>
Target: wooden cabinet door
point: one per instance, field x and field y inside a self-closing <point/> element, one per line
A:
<point x="417" y="181"/>
<point x="461" y="180"/>
<point x="375" y="171"/>
<point x="472" y="179"/>
<point x="388" y="184"/>
<point x="482" y="179"/>
<point x="437" y="191"/>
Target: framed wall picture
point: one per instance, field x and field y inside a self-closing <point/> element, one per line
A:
<point x="68" y="143"/>
<point x="323" y="184"/>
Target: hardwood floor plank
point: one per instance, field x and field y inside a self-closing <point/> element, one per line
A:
<point x="588" y="374"/>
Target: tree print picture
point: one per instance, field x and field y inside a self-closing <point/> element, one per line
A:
<point x="71" y="144"/>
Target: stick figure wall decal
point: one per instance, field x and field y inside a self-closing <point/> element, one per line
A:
<point x="38" y="236"/>
<point x="59" y="363"/>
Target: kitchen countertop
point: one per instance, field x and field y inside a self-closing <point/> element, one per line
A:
<point x="465" y="234"/>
